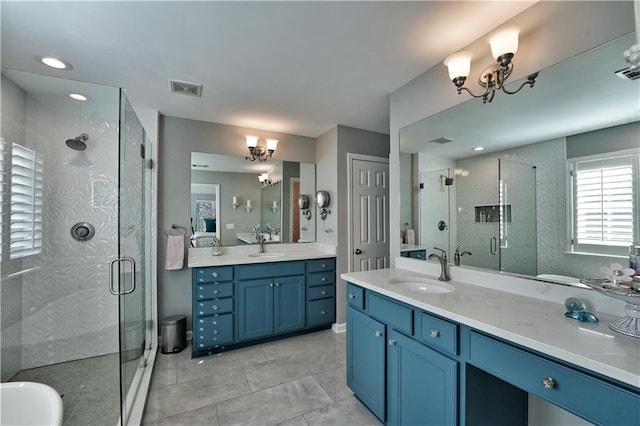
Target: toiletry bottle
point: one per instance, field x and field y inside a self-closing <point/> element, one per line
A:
<point x="634" y="258"/>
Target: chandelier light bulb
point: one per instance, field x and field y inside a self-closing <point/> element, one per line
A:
<point x="459" y="64"/>
<point x="272" y="144"/>
<point x="252" y="141"/>
<point x="504" y="42"/>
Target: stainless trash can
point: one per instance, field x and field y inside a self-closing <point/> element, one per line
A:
<point x="174" y="334"/>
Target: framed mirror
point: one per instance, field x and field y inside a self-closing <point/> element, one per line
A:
<point x="513" y="206"/>
<point x="251" y="199"/>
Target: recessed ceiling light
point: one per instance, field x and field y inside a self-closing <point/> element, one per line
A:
<point x="478" y="148"/>
<point x="54" y="62"/>
<point x="78" y="97"/>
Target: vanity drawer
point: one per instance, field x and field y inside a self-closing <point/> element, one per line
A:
<point x="321" y="291"/>
<point x="321" y="311"/>
<point x="355" y="296"/>
<point x="213" y="290"/>
<point x="212" y="331"/>
<point x="213" y="274"/>
<point x="597" y="401"/>
<point x="218" y="306"/>
<point x="437" y="332"/>
<point x="392" y="313"/>
<point x="321" y="278"/>
<point x="270" y="269"/>
<point x="318" y="265"/>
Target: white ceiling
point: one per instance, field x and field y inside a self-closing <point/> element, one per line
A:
<point x="290" y="67"/>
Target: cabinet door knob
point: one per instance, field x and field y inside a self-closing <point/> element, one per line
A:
<point x="215" y="275"/>
<point x="323" y="279"/>
<point x="277" y="284"/>
<point x="378" y="333"/>
<point x="352" y="296"/>
<point x="323" y="292"/>
<point x="548" y="383"/>
<point x="215" y="291"/>
<point x="322" y="312"/>
<point x="324" y="265"/>
<point x="215" y="307"/>
<point x="270" y="284"/>
<point x="215" y="331"/>
<point x="392" y="342"/>
<point x="435" y="333"/>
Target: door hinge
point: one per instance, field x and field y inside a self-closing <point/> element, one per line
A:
<point x="421" y="185"/>
<point x="142" y="151"/>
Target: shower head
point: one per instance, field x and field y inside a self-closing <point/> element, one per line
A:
<point x="78" y="143"/>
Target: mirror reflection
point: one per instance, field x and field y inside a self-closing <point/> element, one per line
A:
<point x="239" y="201"/>
<point x="528" y="203"/>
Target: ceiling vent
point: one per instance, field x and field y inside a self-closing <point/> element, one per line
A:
<point x="629" y="73"/>
<point x="441" y="140"/>
<point x="184" y="88"/>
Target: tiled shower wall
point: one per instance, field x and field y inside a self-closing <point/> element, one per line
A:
<point x="67" y="311"/>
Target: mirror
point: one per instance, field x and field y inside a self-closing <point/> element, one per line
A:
<point x="240" y="200"/>
<point x="509" y="206"/>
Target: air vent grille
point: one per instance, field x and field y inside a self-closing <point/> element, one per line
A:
<point x="441" y="140"/>
<point x="629" y="73"/>
<point x="183" y="88"/>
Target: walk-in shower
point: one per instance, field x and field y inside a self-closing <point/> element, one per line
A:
<point x="75" y="313"/>
<point x="78" y="143"/>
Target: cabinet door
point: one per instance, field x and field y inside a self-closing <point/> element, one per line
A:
<point x="422" y="384"/>
<point x="288" y="304"/>
<point x="255" y="309"/>
<point x="366" y="360"/>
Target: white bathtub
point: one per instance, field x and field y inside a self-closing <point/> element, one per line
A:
<point x="29" y="403"/>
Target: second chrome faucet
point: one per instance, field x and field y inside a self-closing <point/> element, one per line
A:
<point x="444" y="266"/>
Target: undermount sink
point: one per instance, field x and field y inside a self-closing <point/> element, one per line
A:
<point x="266" y="255"/>
<point x="422" y="285"/>
<point x="29" y="403"/>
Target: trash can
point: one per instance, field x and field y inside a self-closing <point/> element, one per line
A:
<point x="174" y="334"/>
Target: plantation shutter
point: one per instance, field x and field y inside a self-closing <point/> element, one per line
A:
<point x="26" y="202"/>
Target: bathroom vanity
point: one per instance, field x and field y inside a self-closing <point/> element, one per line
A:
<point x="418" y="353"/>
<point x="245" y="297"/>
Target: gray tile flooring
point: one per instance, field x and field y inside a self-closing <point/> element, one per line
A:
<point x="295" y="381"/>
<point x="89" y="388"/>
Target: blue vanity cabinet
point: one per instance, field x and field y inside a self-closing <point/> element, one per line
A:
<point x="272" y="304"/>
<point x="414" y="254"/>
<point x="321" y="292"/>
<point x="366" y="346"/>
<point x="212" y="308"/>
<point x="421" y="384"/>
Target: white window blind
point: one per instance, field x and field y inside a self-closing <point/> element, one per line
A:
<point x="26" y="202"/>
<point x="604" y="204"/>
<point x="2" y="196"/>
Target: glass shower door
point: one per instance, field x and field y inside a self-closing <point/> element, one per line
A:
<point x="132" y="259"/>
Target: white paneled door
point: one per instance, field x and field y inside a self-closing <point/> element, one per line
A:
<point x="369" y="208"/>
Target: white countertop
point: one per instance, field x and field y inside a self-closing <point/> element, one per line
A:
<point x="239" y="255"/>
<point x="533" y="323"/>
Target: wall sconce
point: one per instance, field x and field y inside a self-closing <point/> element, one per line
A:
<point x="258" y="152"/>
<point x="303" y="204"/>
<point x="248" y="206"/>
<point x="274" y="206"/>
<point x="323" y="199"/>
<point x="503" y="47"/>
<point x="264" y="179"/>
<point x="234" y="203"/>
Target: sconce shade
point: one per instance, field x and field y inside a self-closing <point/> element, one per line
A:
<point x="505" y="41"/>
<point x="252" y="141"/>
<point x="272" y="144"/>
<point x="459" y="64"/>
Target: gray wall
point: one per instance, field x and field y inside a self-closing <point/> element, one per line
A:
<point x="179" y="137"/>
<point x="618" y="138"/>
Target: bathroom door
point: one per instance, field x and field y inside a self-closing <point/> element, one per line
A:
<point x="132" y="229"/>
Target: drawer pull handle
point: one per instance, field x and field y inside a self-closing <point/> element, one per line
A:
<point x="435" y="333"/>
<point x="215" y="331"/>
<point x="215" y="275"/>
<point x="215" y="291"/>
<point x="352" y="296"/>
<point x="323" y="312"/>
<point x="323" y="279"/>
<point x="324" y="292"/>
<point x="324" y="265"/>
<point x="378" y="333"/>
<point x="548" y="383"/>
<point x="392" y="342"/>
<point x="215" y="307"/>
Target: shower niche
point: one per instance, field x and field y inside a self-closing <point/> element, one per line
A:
<point x="492" y="213"/>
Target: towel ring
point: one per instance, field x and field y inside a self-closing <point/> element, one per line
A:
<point x="174" y="226"/>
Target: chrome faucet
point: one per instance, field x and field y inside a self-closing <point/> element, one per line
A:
<point x="457" y="256"/>
<point x="444" y="266"/>
<point x="261" y="240"/>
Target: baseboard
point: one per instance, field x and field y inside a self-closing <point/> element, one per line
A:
<point x="339" y="328"/>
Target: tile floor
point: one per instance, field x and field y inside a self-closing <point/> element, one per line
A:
<point x="294" y="381"/>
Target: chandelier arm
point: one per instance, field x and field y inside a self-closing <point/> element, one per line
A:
<point x="460" y="89"/>
<point x="531" y="80"/>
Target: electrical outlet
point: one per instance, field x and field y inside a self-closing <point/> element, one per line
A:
<point x="231" y="226"/>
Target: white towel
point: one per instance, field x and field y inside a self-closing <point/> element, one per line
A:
<point x="175" y="252"/>
<point x="410" y="237"/>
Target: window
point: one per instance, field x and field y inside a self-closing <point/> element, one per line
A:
<point x="2" y="198"/>
<point x="26" y="202"/>
<point x="605" y="204"/>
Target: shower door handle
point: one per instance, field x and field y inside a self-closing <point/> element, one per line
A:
<point x="115" y="290"/>
<point x="493" y="245"/>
